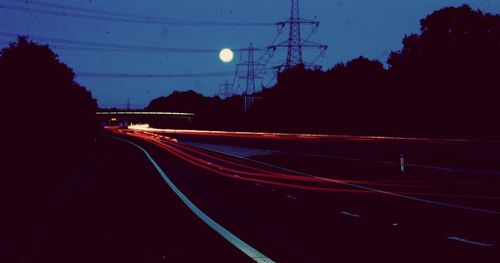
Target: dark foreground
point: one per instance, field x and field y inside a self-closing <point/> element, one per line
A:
<point x="120" y="210"/>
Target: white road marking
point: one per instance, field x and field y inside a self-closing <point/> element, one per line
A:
<point x="445" y="169"/>
<point x="233" y="239"/>
<point x="292" y="197"/>
<point x="471" y="242"/>
<point x="349" y="214"/>
<point x="408" y="197"/>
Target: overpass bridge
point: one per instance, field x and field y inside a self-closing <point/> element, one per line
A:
<point x="127" y="117"/>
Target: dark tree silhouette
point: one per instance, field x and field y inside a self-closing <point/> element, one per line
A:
<point x="447" y="74"/>
<point x="443" y="83"/>
<point x="341" y="100"/>
<point x="210" y="113"/>
<point x="188" y="101"/>
<point x="51" y="118"/>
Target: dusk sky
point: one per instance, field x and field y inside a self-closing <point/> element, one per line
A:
<point x="351" y="28"/>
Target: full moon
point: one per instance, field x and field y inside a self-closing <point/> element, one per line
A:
<point x="226" y="55"/>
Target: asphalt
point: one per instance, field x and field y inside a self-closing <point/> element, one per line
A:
<point x="464" y="154"/>
<point x="292" y="225"/>
<point x="117" y="209"/>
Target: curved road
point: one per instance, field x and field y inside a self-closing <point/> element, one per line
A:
<point x="292" y="217"/>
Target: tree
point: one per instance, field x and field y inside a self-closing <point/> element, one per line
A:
<point x="442" y="83"/>
<point x="51" y="117"/>
<point x="447" y="72"/>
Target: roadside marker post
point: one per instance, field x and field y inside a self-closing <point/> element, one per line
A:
<point x="402" y="163"/>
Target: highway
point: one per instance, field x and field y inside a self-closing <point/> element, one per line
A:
<point x="271" y="213"/>
<point x="116" y="209"/>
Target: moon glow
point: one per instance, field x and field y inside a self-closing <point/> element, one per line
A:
<point x="226" y="55"/>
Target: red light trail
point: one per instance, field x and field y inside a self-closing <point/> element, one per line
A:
<point x="242" y="170"/>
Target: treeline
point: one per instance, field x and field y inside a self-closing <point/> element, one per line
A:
<point x="50" y="122"/>
<point x="442" y="83"/>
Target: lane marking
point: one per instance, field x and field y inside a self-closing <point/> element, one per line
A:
<point x="445" y="169"/>
<point x="233" y="239"/>
<point x="292" y="197"/>
<point x="408" y="197"/>
<point x="430" y="167"/>
<point x="349" y="214"/>
<point x="471" y="242"/>
<point x="338" y="157"/>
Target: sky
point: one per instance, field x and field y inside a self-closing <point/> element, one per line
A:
<point x="350" y="28"/>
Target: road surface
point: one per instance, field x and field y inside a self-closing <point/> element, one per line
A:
<point x="116" y="209"/>
<point x="290" y="216"/>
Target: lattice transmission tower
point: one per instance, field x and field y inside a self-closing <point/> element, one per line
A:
<point x="225" y="90"/>
<point x="295" y="43"/>
<point x="249" y="70"/>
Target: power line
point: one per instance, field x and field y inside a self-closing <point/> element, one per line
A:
<point x="136" y="16"/>
<point x="99" y="46"/>
<point x="111" y="45"/>
<point x="84" y="74"/>
<point x="85" y="10"/>
<point x="76" y="12"/>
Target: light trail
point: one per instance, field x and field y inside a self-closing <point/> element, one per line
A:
<point x="258" y="171"/>
<point x="266" y="172"/>
<point x="283" y="180"/>
<point x="295" y="136"/>
<point x="228" y="167"/>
